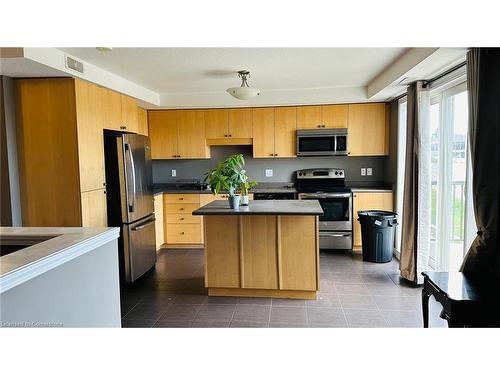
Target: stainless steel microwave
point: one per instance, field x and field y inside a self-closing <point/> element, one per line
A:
<point x="321" y="142"/>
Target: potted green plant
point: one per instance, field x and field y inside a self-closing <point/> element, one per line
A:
<point x="226" y="177"/>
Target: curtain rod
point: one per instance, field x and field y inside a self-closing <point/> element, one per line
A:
<point x="451" y="70"/>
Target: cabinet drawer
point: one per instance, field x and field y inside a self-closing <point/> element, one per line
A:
<point x="183" y="219"/>
<point x="183" y="233"/>
<point x="182" y="198"/>
<point x="181" y="208"/>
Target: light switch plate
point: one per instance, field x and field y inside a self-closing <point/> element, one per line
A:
<point x="363" y="171"/>
<point x="269" y="173"/>
<point x="369" y="171"/>
<point x="174" y="172"/>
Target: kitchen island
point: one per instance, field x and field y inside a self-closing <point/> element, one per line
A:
<point x="269" y="248"/>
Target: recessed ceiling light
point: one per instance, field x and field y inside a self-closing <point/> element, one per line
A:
<point x="104" y="49"/>
<point x="243" y="92"/>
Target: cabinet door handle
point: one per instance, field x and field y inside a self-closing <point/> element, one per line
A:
<point x="230" y="135"/>
<point x="275" y="154"/>
<point x="182" y="218"/>
<point x="182" y="232"/>
<point x="181" y="199"/>
<point x="181" y="209"/>
<point x="271" y="154"/>
<point x="225" y="135"/>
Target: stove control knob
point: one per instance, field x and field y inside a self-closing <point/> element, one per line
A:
<point x="341" y="173"/>
<point x="336" y="173"/>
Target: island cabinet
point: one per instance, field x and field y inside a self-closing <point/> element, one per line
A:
<point x="178" y="134"/>
<point x="256" y="252"/>
<point x="60" y="125"/>
<point x="274" y="132"/>
<point x="368" y="201"/>
<point x="368" y="129"/>
<point x="228" y="126"/>
<point x="322" y="116"/>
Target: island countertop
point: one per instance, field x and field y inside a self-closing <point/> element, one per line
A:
<point x="264" y="207"/>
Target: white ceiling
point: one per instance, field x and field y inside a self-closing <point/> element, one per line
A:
<point x="199" y="70"/>
<point x="198" y="77"/>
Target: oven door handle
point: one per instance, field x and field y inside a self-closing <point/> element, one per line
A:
<point x="328" y="195"/>
<point x="334" y="234"/>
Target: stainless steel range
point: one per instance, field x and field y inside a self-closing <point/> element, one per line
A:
<point x="327" y="185"/>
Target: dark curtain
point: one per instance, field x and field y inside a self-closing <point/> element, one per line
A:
<point x="409" y="223"/>
<point x="483" y="85"/>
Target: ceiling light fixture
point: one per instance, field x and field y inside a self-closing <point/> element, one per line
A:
<point x="244" y="92"/>
<point x="104" y="49"/>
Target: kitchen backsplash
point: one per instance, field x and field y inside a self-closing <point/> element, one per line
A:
<point x="282" y="168"/>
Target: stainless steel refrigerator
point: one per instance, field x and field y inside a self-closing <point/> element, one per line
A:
<point x="129" y="186"/>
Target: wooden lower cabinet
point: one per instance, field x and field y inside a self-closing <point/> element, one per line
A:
<point x="368" y="201"/>
<point x="180" y="226"/>
<point x="262" y="255"/>
<point x="94" y="210"/>
<point x="158" y="207"/>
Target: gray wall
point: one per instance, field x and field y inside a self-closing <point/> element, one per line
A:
<point x="282" y="168"/>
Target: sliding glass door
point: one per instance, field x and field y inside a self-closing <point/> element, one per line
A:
<point x="449" y="149"/>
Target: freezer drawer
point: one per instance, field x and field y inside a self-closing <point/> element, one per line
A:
<point x="139" y="247"/>
<point x="335" y="240"/>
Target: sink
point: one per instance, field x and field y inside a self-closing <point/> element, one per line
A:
<point x="11" y="244"/>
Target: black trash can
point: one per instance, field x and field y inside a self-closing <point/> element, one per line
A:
<point x="377" y="234"/>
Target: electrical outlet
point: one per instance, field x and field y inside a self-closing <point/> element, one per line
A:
<point x="369" y="171"/>
<point x="174" y="172"/>
<point x="363" y="171"/>
<point x="269" y="173"/>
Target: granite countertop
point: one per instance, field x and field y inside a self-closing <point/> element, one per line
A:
<point x="369" y="186"/>
<point x="264" y="207"/>
<point x="262" y="187"/>
<point x="44" y="245"/>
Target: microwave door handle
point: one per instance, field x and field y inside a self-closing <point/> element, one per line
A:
<point x="131" y="197"/>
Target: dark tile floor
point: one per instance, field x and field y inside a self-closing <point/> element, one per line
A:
<point x="352" y="293"/>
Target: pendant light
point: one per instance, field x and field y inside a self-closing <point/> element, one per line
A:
<point x="244" y="92"/>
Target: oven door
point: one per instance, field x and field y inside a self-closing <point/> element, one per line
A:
<point x="337" y="208"/>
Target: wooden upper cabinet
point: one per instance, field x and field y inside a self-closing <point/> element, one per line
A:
<point x="334" y="116"/>
<point x="129" y="114"/>
<point x="163" y="134"/>
<point x="112" y="109"/>
<point x="191" y="134"/>
<point x="263" y="133"/>
<point x="368" y="130"/>
<point x="216" y="123"/>
<point x="240" y="123"/>
<point x="285" y="130"/>
<point x="90" y="119"/>
<point x="309" y="117"/>
<point x="142" y="123"/>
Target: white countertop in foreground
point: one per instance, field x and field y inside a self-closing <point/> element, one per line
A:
<point x="62" y="245"/>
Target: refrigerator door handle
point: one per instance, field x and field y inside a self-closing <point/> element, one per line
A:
<point x="149" y="222"/>
<point x="131" y="192"/>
